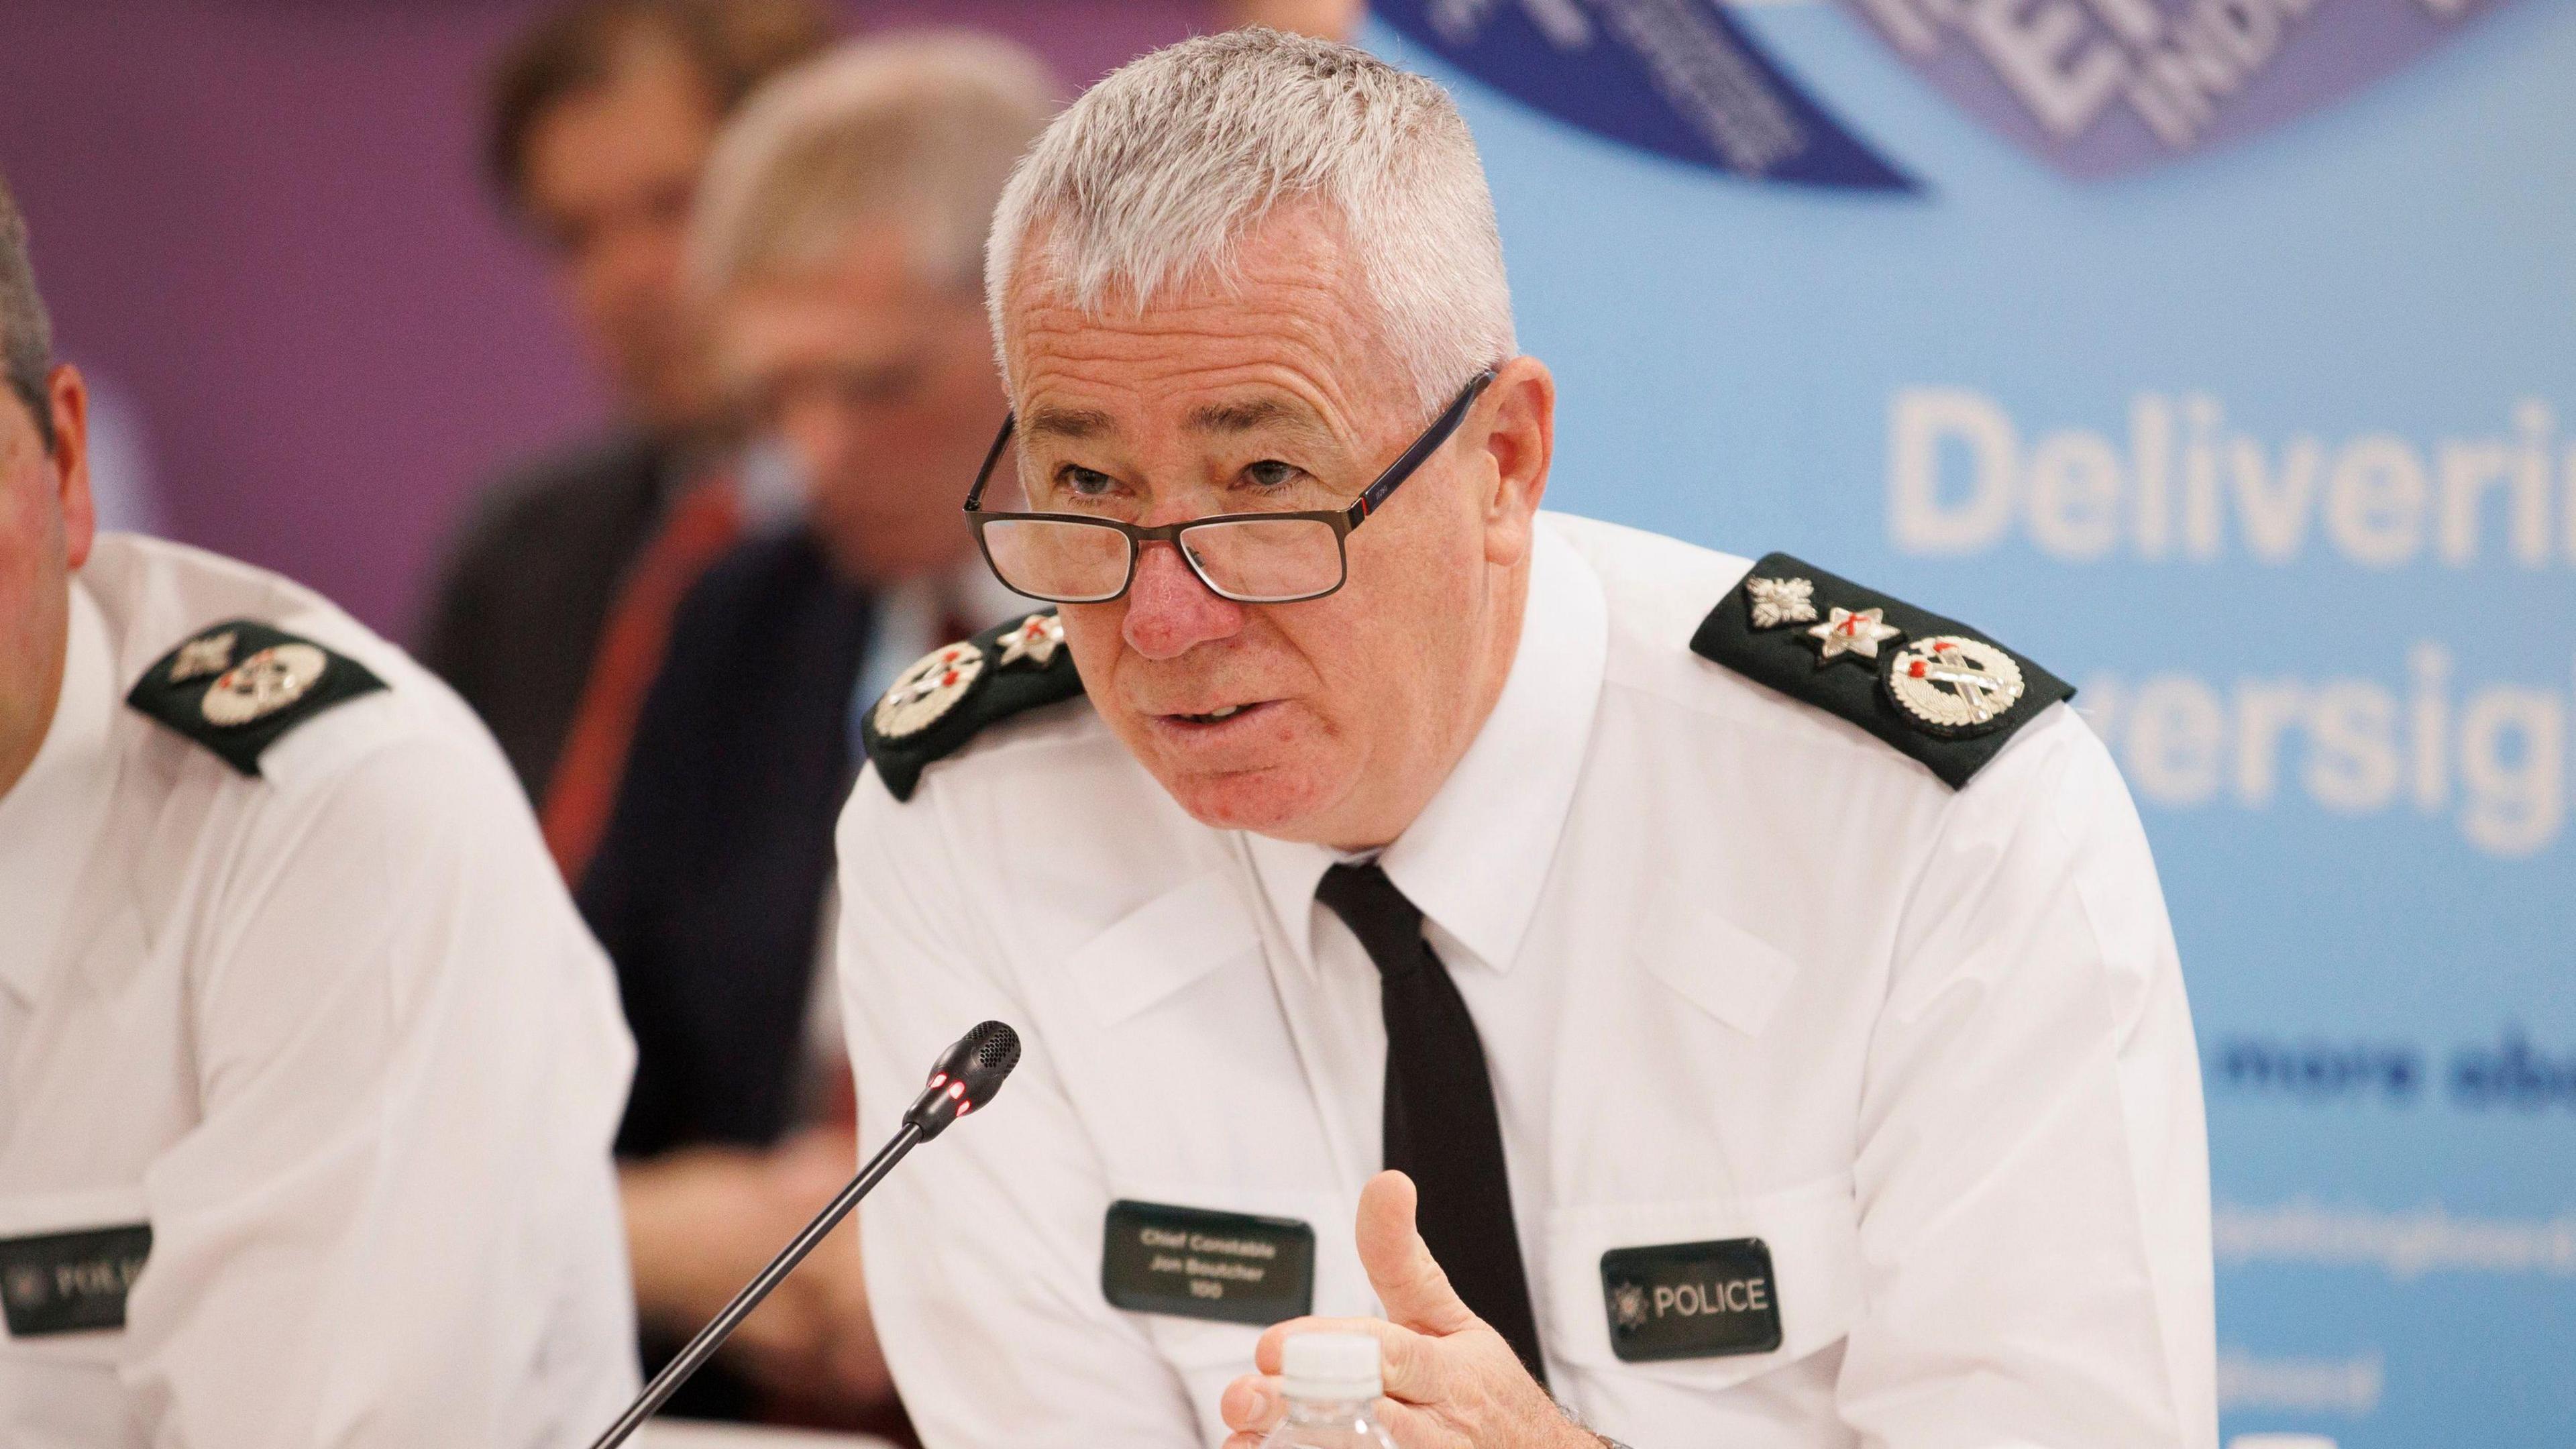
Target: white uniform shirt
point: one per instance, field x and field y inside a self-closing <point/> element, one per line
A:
<point x="334" y="1033"/>
<point x="1741" y="971"/>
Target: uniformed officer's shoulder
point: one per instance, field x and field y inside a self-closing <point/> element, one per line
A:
<point x="954" y="693"/>
<point x="1935" y="689"/>
<point x="241" y="659"/>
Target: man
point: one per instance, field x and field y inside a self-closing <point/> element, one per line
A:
<point x="601" y="119"/>
<point x="1761" y="986"/>
<point x="838" y="250"/>
<point x="307" y="1068"/>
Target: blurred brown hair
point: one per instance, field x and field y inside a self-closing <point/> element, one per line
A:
<point x="733" y="44"/>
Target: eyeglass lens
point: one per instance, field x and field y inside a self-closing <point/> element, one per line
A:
<point x="1077" y="560"/>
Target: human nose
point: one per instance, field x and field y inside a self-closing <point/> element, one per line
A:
<point x="1169" y="611"/>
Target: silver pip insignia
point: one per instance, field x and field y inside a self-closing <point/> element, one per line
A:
<point x="926" y="691"/>
<point x="1853" y="633"/>
<point x="212" y="654"/>
<point x="1781" y="601"/>
<point x="1035" y="638"/>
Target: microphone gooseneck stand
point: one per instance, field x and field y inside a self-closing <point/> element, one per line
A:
<point x="721" y="1327"/>
<point x="963" y="1079"/>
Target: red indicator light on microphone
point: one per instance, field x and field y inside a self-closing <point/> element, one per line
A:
<point x="956" y="1090"/>
<point x="938" y="1077"/>
<point x="965" y="1107"/>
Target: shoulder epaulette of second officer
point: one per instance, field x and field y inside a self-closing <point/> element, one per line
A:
<point x="950" y="694"/>
<point x="1932" y="687"/>
<point x="237" y="687"/>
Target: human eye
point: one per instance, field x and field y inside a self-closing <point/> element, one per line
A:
<point x="1272" y="476"/>
<point x="1076" y="481"/>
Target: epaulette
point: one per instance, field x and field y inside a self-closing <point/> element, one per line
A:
<point x="950" y="694"/>
<point x="1932" y="687"/>
<point x="238" y="686"/>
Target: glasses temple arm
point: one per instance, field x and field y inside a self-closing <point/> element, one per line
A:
<point x="992" y="455"/>
<point x="1432" y="440"/>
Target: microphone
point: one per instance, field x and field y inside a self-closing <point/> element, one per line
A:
<point x="964" y="1078"/>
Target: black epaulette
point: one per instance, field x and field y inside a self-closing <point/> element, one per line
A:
<point x="238" y="686"/>
<point x="949" y="695"/>
<point x="1932" y="687"/>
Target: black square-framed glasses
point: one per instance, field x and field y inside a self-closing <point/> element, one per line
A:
<point x="1250" y="558"/>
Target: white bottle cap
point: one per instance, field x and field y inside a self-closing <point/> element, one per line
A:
<point x="1329" y="1366"/>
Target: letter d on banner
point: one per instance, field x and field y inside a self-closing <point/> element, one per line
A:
<point x="1919" y="520"/>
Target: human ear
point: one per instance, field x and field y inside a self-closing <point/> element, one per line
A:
<point x="1519" y="441"/>
<point x="68" y="397"/>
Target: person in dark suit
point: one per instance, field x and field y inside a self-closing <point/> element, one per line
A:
<point x="601" y="117"/>
<point x="838" y="253"/>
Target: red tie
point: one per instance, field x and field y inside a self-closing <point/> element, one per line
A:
<point x="701" y="525"/>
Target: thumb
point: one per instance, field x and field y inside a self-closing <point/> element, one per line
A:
<point x="1408" y="1280"/>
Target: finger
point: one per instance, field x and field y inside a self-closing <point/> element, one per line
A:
<point x="1413" y="1428"/>
<point x="1413" y="1367"/>
<point x="1408" y="1280"/>
<point x="1252" y="1404"/>
<point x="1266" y="1352"/>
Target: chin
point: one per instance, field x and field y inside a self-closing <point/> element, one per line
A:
<point x="1272" y="802"/>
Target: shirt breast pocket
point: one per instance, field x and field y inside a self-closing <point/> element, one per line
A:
<point x="1700" y="1295"/>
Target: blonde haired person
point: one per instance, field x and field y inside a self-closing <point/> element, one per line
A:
<point x="835" y="259"/>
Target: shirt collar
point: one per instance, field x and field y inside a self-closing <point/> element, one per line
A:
<point x="1476" y="856"/>
<point x="49" y="818"/>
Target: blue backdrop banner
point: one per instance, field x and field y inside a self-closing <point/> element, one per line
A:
<point x="2221" y="354"/>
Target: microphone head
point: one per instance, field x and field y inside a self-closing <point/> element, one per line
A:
<point x="965" y="1077"/>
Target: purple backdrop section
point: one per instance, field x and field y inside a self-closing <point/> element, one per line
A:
<point x="262" y="223"/>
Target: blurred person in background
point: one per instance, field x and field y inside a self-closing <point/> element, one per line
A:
<point x="1330" y="19"/>
<point x="308" y="1070"/>
<point x="601" y="118"/>
<point x="838" y="253"/>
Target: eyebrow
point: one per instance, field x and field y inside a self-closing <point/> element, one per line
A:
<point x="1047" y="420"/>
<point x="1063" y="422"/>
<point x="1254" y="414"/>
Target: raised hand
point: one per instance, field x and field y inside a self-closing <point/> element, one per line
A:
<point x="1451" y="1381"/>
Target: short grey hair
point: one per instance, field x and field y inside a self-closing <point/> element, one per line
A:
<point x="26" y="333"/>
<point x="920" y="129"/>
<point x="1151" y="180"/>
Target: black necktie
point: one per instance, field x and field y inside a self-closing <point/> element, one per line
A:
<point x="1435" y="1077"/>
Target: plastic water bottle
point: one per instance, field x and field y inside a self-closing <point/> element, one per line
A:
<point x="1332" y="1383"/>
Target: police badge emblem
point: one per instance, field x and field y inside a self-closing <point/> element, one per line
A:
<point x="1781" y="601"/>
<point x="1628" y="1306"/>
<point x="1953" y="685"/>
<point x="263" y="684"/>
<point x="925" y="692"/>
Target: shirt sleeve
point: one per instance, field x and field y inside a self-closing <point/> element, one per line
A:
<point x="2033" y="1177"/>
<point x="983" y="1250"/>
<point x="394" y="1221"/>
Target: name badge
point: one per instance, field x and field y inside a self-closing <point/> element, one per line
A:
<point x="70" y="1282"/>
<point x="1193" y="1263"/>
<point x="1691" y="1300"/>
